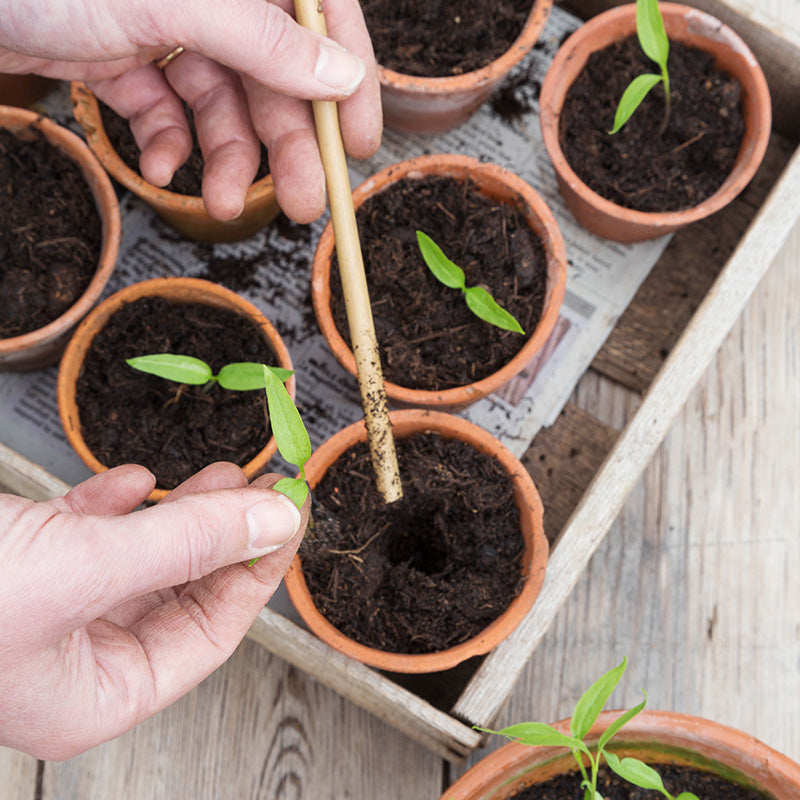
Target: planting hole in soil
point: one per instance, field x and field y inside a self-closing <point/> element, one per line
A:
<point x="425" y="573"/>
<point x="50" y="234"/>
<point x="188" y="177"/>
<point x="129" y="417"/>
<point x="638" y="167"/>
<point x="441" y="39"/>
<point x="428" y="338"/>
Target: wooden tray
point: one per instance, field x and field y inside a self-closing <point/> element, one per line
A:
<point x="584" y="469"/>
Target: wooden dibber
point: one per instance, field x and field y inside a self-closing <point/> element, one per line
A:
<point x="354" y="283"/>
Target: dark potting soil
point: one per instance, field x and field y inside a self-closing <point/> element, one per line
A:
<point x="50" y="234"/>
<point x="676" y="779"/>
<point x="188" y="177"/>
<point x="447" y="37"/>
<point x="638" y="167"/>
<point x="428" y="338"/>
<point x="427" y="572"/>
<point x="128" y="417"/>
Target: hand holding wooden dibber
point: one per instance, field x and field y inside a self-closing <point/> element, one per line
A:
<point x="354" y="282"/>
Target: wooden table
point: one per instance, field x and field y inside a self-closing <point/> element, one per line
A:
<point x="698" y="583"/>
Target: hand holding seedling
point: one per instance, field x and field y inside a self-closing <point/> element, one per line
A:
<point x="479" y="301"/>
<point x="247" y="71"/>
<point x="290" y="434"/>
<point x="587" y="710"/>
<point x="655" y="45"/>
<point x="108" y="614"/>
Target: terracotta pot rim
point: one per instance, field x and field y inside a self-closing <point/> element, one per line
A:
<point x="193" y="290"/>
<point x="528" y="36"/>
<point x="14" y="119"/>
<point x="553" y="91"/>
<point x="132" y="180"/>
<point x="408" y="422"/>
<point x="546" y="228"/>
<point x="676" y="731"/>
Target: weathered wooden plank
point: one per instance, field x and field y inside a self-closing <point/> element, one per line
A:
<point x="664" y="304"/>
<point x="562" y="461"/>
<point x="603" y="500"/>
<point x="257" y="729"/>
<point x="364" y="686"/>
<point x="21" y="476"/>
<point x="17" y="775"/>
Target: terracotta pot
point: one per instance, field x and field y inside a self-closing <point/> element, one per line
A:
<point x="657" y="737"/>
<point x="534" y="560"/>
<point x="23" y="90"/>
<point x="494" y="182"/>
<point x="186" y="214"/>
<point x="43" y="347"/>
<point x="415" y="104"/>
<point x="176" y="290"/>
<point x="691" y="27"/>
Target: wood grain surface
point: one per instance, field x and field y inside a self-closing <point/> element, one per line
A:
<point x="697" y="583"/>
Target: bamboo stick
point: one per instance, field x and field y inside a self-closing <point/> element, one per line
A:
<point x="354" y="284"/>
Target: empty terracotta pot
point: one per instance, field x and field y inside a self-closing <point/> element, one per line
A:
<point x="406" y="423"/>
<point x="416" y="104"/>
<point x="176" y="290"/>
<point x="500" y="185"/>
<point x="691" y="27"/>
<point x="43" y="347"/>
<point x="186" y="214"/>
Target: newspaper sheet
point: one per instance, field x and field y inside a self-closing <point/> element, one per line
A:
<point x="602" y="279"/>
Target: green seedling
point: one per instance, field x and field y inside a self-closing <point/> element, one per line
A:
<point x="479" y="301"/>
<point x="584" y="716"/>
<point x="655" y="45"/>
<point x="287" y="426"/>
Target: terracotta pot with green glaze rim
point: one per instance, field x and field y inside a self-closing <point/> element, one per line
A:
<point x="406" y="423"/>
<point x="494" y="182"/>
<point x="416" y="104"/>
<point x="43" y="347"/>
<point x="185" y="213"/>
<point x="691" y="27"/>
<point x="656" y="737"/>
<point x="176" y="290"/>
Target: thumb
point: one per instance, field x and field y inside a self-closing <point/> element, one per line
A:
<point x="114" y="559"/>
<point x="262" y="40"/>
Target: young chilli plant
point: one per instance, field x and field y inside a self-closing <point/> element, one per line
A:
<point x="584" y="716"/>
<point x="287" y="426"/>
<point x="655" y="45"/>
<point x="479" y="301"/>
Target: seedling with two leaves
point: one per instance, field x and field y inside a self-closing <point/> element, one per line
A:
<point x="479" y="301"/>
<point x="655" y="45"/>
<point x="287" y="426"/>
<point x="584" y="716"/>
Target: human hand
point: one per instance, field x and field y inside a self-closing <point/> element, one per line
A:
<point x="107" y="614"/>
<point x="247" y="69"/>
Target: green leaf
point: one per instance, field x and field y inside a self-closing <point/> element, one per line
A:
<point x="593" y="699"/>
<point x="650" y="30"/>
<point x="296" y="489"/>
<point x="285" y="421"/>
<point x="687" y="796"/>
<point x="182" y="369"/>
<point x="246" y="375"/>
<point x="443" y="269"/>
<point x="536" y="734"/>
<point x="636" y="772"/>
<point x="483" y="305"/>
<point x="622" y="719"/>
<point x="632" y="97"/>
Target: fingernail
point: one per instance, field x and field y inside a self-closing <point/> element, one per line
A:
<point x="339" y="69"/>
<point x="271" y="524"/>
